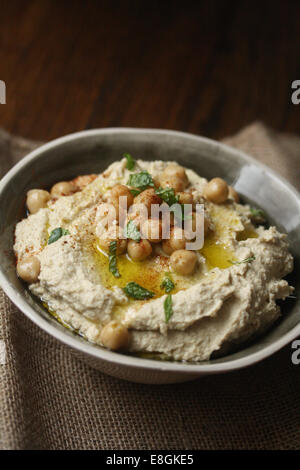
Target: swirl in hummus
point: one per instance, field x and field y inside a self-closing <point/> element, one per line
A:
<point x="141" y="293"/>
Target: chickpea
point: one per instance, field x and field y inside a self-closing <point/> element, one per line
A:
<point x="174" y="176"/>
<point x="167" y="247"/>
<point x="183" y="262"/>
<point x="36" y="200"/>
<point x="121" y="190"/>
<point x="156" y="181"/>
<point x="185" y="198"/>
<point x="148" y="198"/>
<point x="152" y="230"/>
<point x="172" y="182"/>
<point x="139" y="251"/>
<point x="117" y="192"/>
<point x="28" y="269"/>
<point x="114" y="336"/>
<point x="63" y="188"/>
<point x="114" y="233"/>
<point x="176" y="241"/>
<point x="83" y="180"/>
<point x="216" y="191"/>
<point x="233" y="194"/>
<point x="173" y="169"/>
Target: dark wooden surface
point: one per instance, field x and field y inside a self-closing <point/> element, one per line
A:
<point x="205" y="67"/>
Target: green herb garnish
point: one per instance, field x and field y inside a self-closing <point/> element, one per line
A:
<point x="141" y="180"/>
<point x="167" y="284"/>
<point x="131" y="231"/>
<point x="168" y="308"/>
<point x="113" y="268"/>
<point x="247" y="260"/>
<point x="135" y="192"/>
<point x="130" y="161"/>
<point x="56" y="234"/>
<point x="167" y="195"/>
<point x="134" y="290"/>
<point x="257" y="212"/>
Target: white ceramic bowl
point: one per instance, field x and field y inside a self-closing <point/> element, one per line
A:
<point x="91" y="152"/>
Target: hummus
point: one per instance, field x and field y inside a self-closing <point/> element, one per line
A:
<point x="229" y="297"/>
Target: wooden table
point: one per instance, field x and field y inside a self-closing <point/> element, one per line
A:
<point x="204" y="67"/>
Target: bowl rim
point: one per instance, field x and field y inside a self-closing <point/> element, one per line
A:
<point x="128" y="360"/>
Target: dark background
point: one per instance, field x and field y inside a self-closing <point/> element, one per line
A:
<point x="208" y="67"/>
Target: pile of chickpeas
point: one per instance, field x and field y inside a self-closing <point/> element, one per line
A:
<point x="182" y="261"/>
<point x="114" y="335"/>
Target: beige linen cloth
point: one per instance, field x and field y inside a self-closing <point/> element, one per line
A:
<point x="51" y="400"/>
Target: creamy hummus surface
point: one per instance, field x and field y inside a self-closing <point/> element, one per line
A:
<point x="152" y="296"/>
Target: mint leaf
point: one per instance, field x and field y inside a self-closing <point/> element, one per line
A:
<point x="134" y="290"/>
<point x="113" y="268"/>
<point x="130" y="161"/>
<point x="135" y="192"/>
<point x="246" y="260"/>
<point x="167" y="195"/>
<point x="168" y="308"/>
<point x="131" y="231"/>
<point x="56" y="234"/>
<point x="167" y="284"/>
<point x="140" y="180"/>
<point x="257" y="212"/>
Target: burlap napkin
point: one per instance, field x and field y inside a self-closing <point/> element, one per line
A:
<point x="51" y="400"/>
